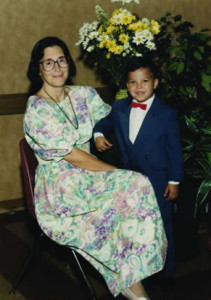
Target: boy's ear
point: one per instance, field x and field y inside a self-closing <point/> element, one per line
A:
<point x="156" y="82"/>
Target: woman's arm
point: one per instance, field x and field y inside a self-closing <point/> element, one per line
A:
<point x="84" y="160"/>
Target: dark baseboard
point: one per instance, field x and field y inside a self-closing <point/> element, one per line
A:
<point x="11" y="104"/>
<point x="12" y="205"/>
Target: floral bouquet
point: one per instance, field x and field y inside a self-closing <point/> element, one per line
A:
<point x="108" y="43"/>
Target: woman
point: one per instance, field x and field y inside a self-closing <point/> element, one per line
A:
<point x="110" y="216"/>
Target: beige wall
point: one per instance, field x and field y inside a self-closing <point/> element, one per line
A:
<point x="23" y="22"/>
<point x="10" y="174"/>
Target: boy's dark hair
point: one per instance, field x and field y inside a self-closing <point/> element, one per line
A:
<point x="136" y="63"/>
<point x="33" y="71"/>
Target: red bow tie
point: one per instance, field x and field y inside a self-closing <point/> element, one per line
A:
<point x="141" y="105"/>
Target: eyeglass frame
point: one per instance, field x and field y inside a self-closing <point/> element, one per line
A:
<point x="54" y="61"/>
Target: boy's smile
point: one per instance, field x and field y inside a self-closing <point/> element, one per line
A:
<point x="141" y="84"/>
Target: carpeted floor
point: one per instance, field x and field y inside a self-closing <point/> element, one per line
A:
<point x="53" y="275"/>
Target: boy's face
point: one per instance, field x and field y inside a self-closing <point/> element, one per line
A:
<point x="141" y="84"/>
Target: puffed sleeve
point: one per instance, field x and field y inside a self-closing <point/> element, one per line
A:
<point x="97" y="108"/>
<point x="46" y="131"/>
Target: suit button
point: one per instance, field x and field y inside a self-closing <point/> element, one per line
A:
<point x="146" y="156"/>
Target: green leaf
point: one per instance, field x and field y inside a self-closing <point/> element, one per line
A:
<point x="173" y="66"/>
<point x="201" y="49"/>
<point x="180" y="67"/>
<point x="197" y="55"/>
<point x="202" y="195"/>
<point x="206" y="82"/>
<point x="177" y="18"/>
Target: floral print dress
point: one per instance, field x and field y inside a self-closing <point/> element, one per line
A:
<point x="111" y="218"/>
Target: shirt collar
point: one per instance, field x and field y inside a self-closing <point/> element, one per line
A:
<point x="148" y="101"/>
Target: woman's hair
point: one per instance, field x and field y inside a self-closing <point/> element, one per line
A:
<point x="37" y="54"/>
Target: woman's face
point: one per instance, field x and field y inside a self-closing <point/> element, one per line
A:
<point x="54" y="67"/>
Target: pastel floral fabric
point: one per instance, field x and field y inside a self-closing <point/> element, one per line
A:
<point x="111" y="218"/>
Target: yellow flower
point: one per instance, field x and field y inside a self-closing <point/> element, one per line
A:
<point x="111" y="45"/>
<point x="127" y="19"/>
<point x="103" y="42"/>
<point x="155" y="27"/>
<point x="100" y="29"/>
<point x="115" y="38"/>
<point x="118" y="50"/>
<point x="138" y="26"/>
<point x="117" y="11"/>
<point x="110" y="29"/>
<point x="124" y="38"/>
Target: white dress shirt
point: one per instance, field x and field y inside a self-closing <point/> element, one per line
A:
<point x="136" y="118"/>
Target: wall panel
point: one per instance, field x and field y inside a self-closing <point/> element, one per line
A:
<point x="23" y="22"/>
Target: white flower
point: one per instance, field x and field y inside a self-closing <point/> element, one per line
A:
<point x="146" y="21"/>
<point x="85" y="43"/>
<point x="139" y="38"/>
<point x="150" y="45"/>
<point x="93" y="35"/>
<point x="147" y="34"/>
<point x="118" y="18"/>
<point x="93" y="25"/>
<point x="138" y="54"/>
<point x="90" y="48"/>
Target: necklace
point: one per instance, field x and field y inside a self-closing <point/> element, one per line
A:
<point x="66" y="94"/>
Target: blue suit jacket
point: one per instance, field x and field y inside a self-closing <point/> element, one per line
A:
<point x="156" y="151"/>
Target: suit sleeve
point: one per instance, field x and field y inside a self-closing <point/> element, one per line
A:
<point x="105" y="125"/>
<point x="174" y="149"/>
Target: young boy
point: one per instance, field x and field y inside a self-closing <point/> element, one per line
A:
<point x="149" y="141"/>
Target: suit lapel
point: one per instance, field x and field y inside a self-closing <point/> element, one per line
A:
<point x="123" y="117"/>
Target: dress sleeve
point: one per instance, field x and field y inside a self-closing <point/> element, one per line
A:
<point x="46" y="131"/>
<point x="97" y="108"/>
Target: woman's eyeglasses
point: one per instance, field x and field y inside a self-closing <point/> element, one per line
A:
<point x="49" y="64"/>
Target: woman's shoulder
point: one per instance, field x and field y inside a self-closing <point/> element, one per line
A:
<point x="82" y="88"/>
<point x="35" y="102"/>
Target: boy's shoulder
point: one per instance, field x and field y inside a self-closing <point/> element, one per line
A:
<point x="163" y="105"/>
<point x="122" y="102"/>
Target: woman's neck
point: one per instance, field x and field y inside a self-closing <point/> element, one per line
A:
<point x="54" y="94"/>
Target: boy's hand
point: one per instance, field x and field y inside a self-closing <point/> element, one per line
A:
<point x="171" y="191"/>
<point x="102" y="143"/>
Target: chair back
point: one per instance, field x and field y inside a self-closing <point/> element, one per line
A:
<point x="28" y="164"/>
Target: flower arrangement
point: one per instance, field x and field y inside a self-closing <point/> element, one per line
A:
<point x="108" y="43"/>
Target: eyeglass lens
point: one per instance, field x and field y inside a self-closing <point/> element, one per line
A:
<point x="49" y="64"/>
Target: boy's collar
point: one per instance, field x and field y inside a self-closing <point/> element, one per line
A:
<point x="148" y="101"/>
